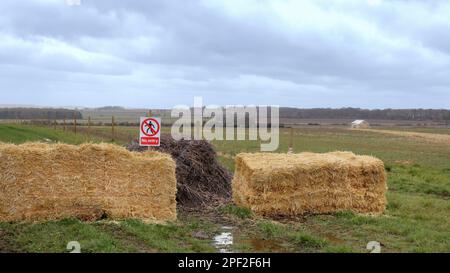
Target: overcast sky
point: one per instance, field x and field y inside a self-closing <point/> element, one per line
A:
<point x="141" y="53"/>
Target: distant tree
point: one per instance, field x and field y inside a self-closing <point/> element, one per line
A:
<point x="357" y="113"/>
<point x="38" y="113"/>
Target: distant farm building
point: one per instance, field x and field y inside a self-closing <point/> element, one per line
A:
<point x="360" y="123"/>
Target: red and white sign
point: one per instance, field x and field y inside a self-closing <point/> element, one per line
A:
<point x="150" y="131"/>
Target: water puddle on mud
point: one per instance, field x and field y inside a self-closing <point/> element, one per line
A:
<point x="228" y="237"/>
<point x="224" y="241"/>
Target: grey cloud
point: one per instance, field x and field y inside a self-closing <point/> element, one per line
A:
<point x="344" y="53"/>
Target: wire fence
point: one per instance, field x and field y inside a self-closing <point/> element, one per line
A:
<point x="105" y="128"/>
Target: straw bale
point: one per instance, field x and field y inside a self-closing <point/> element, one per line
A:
<point x="53" y="181"/>
<point x="290" y="184"/>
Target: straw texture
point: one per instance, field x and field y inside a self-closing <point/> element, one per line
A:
<point x="53" y="181"/>
<point x="290" y="184"/>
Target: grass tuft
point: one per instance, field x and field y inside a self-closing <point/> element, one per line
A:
<point x="308" y="240"/>
<point x="237" y="211"/>
<point x="271" y="229"/>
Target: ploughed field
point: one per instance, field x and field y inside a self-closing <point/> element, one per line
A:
<point x="417" y="218"/>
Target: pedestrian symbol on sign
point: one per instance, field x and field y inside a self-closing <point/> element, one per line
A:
<point x="150" y="126"/>
<point x="150" y="131"/>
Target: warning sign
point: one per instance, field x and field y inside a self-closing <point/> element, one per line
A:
<point x="150" y="131"/>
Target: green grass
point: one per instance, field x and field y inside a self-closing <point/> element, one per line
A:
<point x="412" y="223"/>
<point x="391" y="149"/>
<point x="170" y="237"/>
<point x="234" y="210"/>
<point x="417" y="217"/>
<point x="126" y="236"/>
<point x="308" y="240"/>
<point x="53" y="236"/>
<point x="20" y="134"/>
<point x="271" y="229"/>
<point x="298" y="237"/>
<point x="417" y="179"/>
<point x="418" y="211"/>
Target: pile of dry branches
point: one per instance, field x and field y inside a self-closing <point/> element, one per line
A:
<point x="201" y="180"/>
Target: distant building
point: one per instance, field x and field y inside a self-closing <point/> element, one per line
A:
<point x="360" y="123"/>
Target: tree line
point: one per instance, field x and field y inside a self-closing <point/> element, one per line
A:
<point x="358" y="113"/>
<point x="39" y="113"/>
<point x="285" y="112"/>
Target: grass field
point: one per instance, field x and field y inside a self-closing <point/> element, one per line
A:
<point x="19" y="134"/>
<point x="417" y="217"/>
<point x="433" y="130"/>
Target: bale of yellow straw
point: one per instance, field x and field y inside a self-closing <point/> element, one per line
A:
<point x="309" y="183"/>
<point x="53" y="181"/>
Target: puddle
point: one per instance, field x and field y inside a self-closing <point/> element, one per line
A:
<point x="224" y="240"/>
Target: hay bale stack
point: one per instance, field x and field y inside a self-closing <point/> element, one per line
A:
<point x="290" y="184"/>
<point x="201" y="180"/>
<point x="54" y="181"/>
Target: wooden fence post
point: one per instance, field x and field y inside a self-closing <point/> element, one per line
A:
<point x="64" y="122"/>
<point x="54" y="122"/>
<point x="291" y="140"/>
<point x="112" y="128"/>
<point x="74" y="122"/>
<point x="89" y="126"/>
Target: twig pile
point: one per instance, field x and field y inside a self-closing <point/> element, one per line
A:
<point x="201" y="180"/>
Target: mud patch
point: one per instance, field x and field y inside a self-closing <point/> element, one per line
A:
<point x="333" y="239"/>
<point x="259" y="244"/>
<point x="7" y="243"/>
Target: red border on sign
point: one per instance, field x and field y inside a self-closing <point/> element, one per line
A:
<point x="154" y="132"/>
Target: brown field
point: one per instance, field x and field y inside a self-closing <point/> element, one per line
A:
<point x="429" y="137"/>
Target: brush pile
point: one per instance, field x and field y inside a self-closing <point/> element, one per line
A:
<point x="91" y="181"/>
<point x="290" y="184"/>
<point x="201" y="180"/>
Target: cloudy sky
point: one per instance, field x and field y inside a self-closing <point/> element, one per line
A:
<point x="141" y="53"/>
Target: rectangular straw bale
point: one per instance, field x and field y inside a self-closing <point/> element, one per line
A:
<point x="290" y="184"/>
<point x="53" y="181"/>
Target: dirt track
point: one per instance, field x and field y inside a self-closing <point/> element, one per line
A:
<point x="430" y="137"/>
